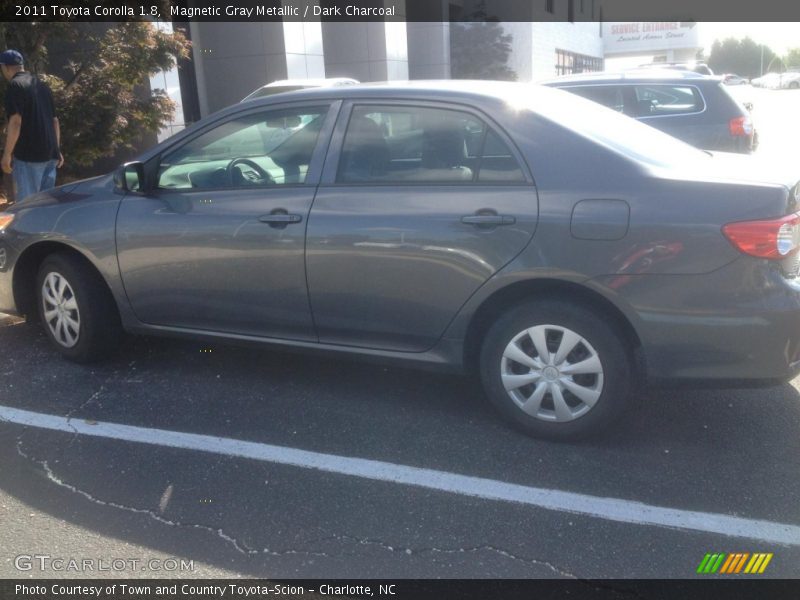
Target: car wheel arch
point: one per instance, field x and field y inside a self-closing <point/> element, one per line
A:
<point x="503" y="299"/>
<point x="27" y="266"/>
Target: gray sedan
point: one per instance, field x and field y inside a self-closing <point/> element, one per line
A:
<point x="561" y="252"/>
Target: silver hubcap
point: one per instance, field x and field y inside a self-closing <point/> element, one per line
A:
<point x="552" y="373"/>
<point x="61" y="310"/>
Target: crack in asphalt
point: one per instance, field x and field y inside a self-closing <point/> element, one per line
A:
<point x="472" y="549"/>
<point x="246" y="550"/>
<point x="92" y="398"/>
<point x="239" y="546"/>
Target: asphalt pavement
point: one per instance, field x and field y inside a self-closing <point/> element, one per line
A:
<point x="729" y="453"/>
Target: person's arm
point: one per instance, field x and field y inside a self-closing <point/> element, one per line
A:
<point x="57" y="127"/>
<point x="12" y="135"/>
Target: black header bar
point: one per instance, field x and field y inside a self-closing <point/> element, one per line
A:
<point x="398" y="10"/>
<point x="259" y="589"/>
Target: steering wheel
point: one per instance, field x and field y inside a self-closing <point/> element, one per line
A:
<point x="236" y="177"/>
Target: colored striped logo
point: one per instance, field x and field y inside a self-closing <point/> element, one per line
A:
<point x="732" y="564"/>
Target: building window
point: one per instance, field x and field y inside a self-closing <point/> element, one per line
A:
<point x="548" y="6"/>
<point x="571" y="62"/>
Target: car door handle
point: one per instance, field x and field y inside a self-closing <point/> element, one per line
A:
<point x="488" y="220"/>
<point x="280" y="219"/>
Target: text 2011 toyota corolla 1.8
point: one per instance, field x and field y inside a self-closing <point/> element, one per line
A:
<point x="564" y="253"/>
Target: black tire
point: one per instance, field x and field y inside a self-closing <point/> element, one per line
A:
<point x="615" y="382"/>
<point x="99" y="331"/>
<point x="794" y="85"/>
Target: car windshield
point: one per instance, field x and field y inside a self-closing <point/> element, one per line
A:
<point x="622" y="134"/>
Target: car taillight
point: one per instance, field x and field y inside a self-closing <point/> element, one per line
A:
<point x="774" y="239"/>
<point x="740" y="126"/>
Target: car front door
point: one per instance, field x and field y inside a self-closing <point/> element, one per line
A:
<point x="218" y="244"/>
<point x="420" y="204"/>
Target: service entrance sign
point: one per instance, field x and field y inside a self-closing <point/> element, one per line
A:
<point x="649" y="37"/>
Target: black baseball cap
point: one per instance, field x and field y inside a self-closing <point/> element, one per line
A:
<point x="10" y="57"/>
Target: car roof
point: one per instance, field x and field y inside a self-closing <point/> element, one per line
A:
<point x="317" y="82"/>
<point x="633" y="76"/>
<point x="441" y="90"/>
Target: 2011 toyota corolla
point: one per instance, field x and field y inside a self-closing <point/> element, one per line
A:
<point x="563" y="252"/>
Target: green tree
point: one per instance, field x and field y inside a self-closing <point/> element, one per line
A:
<point x="101" y="92"/>
<point x="479" y="48"/>
<point x="743" y="57"/>
<point x="792" y="58"/>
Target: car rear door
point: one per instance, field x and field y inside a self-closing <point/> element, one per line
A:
<point x="419" y="204"/>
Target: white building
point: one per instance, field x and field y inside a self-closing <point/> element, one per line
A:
<point x="229" y="60"/>
<point x="549" y="38"/>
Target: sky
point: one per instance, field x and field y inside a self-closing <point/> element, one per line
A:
<point x="778" y="36"/>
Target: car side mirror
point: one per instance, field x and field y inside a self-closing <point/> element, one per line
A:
<point x="130" y="177"/>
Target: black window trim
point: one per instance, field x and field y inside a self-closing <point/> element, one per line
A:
<point x="330" y="170"/>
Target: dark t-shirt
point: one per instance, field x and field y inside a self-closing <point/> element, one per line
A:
<point x="33" y="101"/>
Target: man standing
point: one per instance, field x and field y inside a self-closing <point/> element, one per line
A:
<point x="33" y="136"/>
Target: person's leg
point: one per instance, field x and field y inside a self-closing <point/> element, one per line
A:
<point x="25" y="180"/>
<point x="48" y="180"/>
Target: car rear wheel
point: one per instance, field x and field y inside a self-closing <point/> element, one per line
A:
<point x="794" y="85"/>
<point x="76" y="309"/>
<point x="556" y="370"/>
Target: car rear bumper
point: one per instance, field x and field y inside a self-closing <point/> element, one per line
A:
<point x="739" y="325"/>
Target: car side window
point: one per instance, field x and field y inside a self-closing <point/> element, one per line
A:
<point x="498" y="164"/>
<point x="262" y="149"/>
<point x="406" y="144"/>
<point x="662" y="99"/>
<point x="607" y="95"/>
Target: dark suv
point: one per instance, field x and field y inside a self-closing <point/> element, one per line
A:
<point x="692" y="107"/>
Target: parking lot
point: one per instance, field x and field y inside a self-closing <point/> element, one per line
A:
<point x="257" y="463"/>
<point x="775" y="114"/>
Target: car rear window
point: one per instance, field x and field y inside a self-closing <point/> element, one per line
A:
<point x="654" y="100"/>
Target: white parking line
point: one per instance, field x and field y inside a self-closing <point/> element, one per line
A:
<point x="611" y="509"/>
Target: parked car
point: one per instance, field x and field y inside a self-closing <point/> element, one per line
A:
<point x="694" y="66"/>
<point x="694" y="108"/>
<point x="733" y="79"/>
<point x="790" y="80"/>
<point x="561" y="252"/>
<point x="291" y="85"/>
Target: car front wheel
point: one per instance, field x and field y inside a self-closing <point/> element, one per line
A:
<point x="556" y="370"/>
<point x="76" y="309"/>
